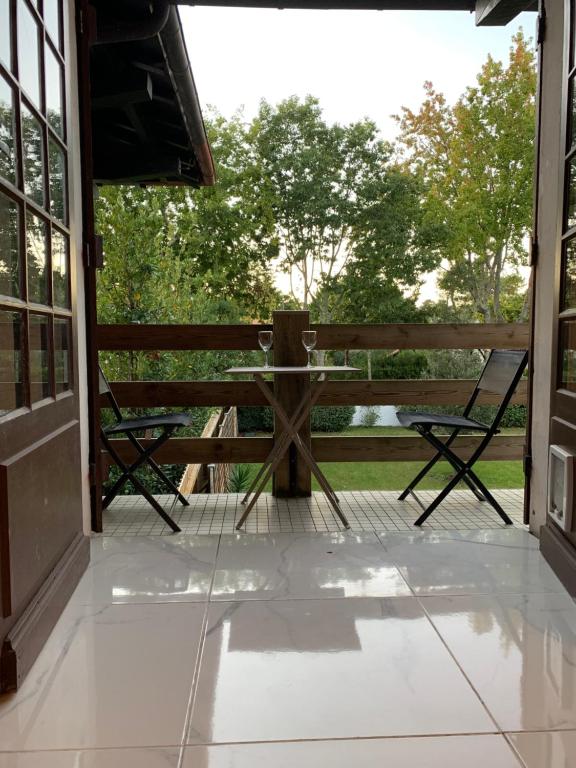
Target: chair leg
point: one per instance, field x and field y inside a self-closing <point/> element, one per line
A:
<point x="439" y="499"/>
<point x="182" y="499"/>
<point x="128" y="474"/>
<point x="423" y="472"/>
<point x="444" y="453"/>
<point x="490" y="498"/>
<point x="156" y="469"/>
<point x="152" y="501"/>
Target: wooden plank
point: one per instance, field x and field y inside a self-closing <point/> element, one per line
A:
<point x="205" y="450"/>
<point x="253" y="450"/>
<point x="409" y="392"/>
<point x="178" y="337"/>
<point x="359" y="449"/>
<point x="185" y="394"/>
<point x="292" y="476"/>
<point x="188" y="394"/>
<point x="423" y="336"/>
<point x="383" y="336"/>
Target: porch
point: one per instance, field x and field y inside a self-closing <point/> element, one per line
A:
<point x="427" y="649"/>
<point x="292" y="507"/>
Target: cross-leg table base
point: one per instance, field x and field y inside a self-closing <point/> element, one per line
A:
<point x="289" y="436"/>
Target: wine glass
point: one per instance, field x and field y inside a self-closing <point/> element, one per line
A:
<point x="309" y="342"/>
<point x="265" y="341"/>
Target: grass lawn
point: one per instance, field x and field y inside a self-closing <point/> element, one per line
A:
<point x="395" y="475"/>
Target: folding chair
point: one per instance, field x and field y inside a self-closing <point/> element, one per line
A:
<point x="501" y="374"/>
<point x="167" y="423"/>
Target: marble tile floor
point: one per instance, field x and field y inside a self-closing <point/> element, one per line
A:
<point x="427" y="649"/>
<point x="365" y="510"/>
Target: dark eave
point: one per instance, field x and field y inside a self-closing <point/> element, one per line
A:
<point x="146" y="121"/>
<point x="488" y="12"/>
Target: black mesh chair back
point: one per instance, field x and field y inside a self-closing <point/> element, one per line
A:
<point x="500" y="376"/>
<point x="105" y="389"/>
<point x="501" y="370"/>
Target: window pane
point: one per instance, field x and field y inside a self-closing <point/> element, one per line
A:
<point x="39" y="358"/>
<point x="37" y="259"/>
<point x="11" y="389"/>
<point x="52" y="20"/>
<point x="9" y="241"/>
<point x="54" y="101"/>
<point x="57" y="183"/>
<point x="32" y="147"/>
<point x="28" y="56"/>
<point x="62" y="360"/>
<point x="568" y="354"/>
<point x="5" y="47"/>
<point x="7" y="155"/>
<point x="60" y="270"/>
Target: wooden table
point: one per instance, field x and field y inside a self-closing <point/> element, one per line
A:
<point x="318" y="375"/>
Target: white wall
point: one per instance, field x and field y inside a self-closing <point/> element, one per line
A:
<point x="77" y="271"/>
<point x="549" y="230"/>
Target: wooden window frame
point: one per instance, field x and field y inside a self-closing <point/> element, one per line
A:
<point x="15" y="192"/>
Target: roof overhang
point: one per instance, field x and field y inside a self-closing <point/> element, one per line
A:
<point x="488" y="12"/>
<point x="147" y="125"/>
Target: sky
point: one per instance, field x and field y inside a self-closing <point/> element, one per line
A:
<point x="358" y="63"/>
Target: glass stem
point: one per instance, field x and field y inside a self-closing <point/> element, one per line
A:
<point x="309" y="359"/>
<point x="266" y="364"/>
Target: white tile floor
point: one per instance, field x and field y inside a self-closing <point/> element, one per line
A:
<point x="429" y="649"/>
<point x="365" y="510"/>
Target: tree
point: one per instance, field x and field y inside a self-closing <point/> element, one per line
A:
<point x="337" y="199"/>
<point x="476" y="163"/>
<point x="226" y="233"/>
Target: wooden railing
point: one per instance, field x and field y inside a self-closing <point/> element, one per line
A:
<point x="182" y="394"/>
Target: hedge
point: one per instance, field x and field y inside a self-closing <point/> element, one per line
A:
<point x="324" y="418"/>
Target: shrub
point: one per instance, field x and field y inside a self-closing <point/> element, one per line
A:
<point x="407" y="364"/>
<point x="369" y="417"/>
<point x="239" y="480"/>
<point x="331" y="418"/>
<point x="255" y="419"/>
<point x="324" y="419"/>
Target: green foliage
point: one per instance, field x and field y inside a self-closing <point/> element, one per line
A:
<point x="149" y="479"/>
<point x="240" y="477"/>
<point x="407" y="364"/>
<point x="339" y="204"/>
<point x="255" y="419"/>
<point x="454" y="363"/>
<point x="475" y="160"/>
<point x="323" y="419"/>
<point x="369" y="417"/>
<point x="331" y="418"/>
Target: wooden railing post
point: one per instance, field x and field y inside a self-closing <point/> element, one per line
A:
<point x="292" y="478"/>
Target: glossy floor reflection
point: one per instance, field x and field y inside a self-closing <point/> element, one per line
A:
<point x="434" y="649"/>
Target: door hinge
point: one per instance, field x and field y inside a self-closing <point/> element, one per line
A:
<point x="527" y="465"/>
<point x="541" y="28"/>
<point x="533" y="257"/>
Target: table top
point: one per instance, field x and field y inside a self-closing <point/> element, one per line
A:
<point x="294" y="369"/>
